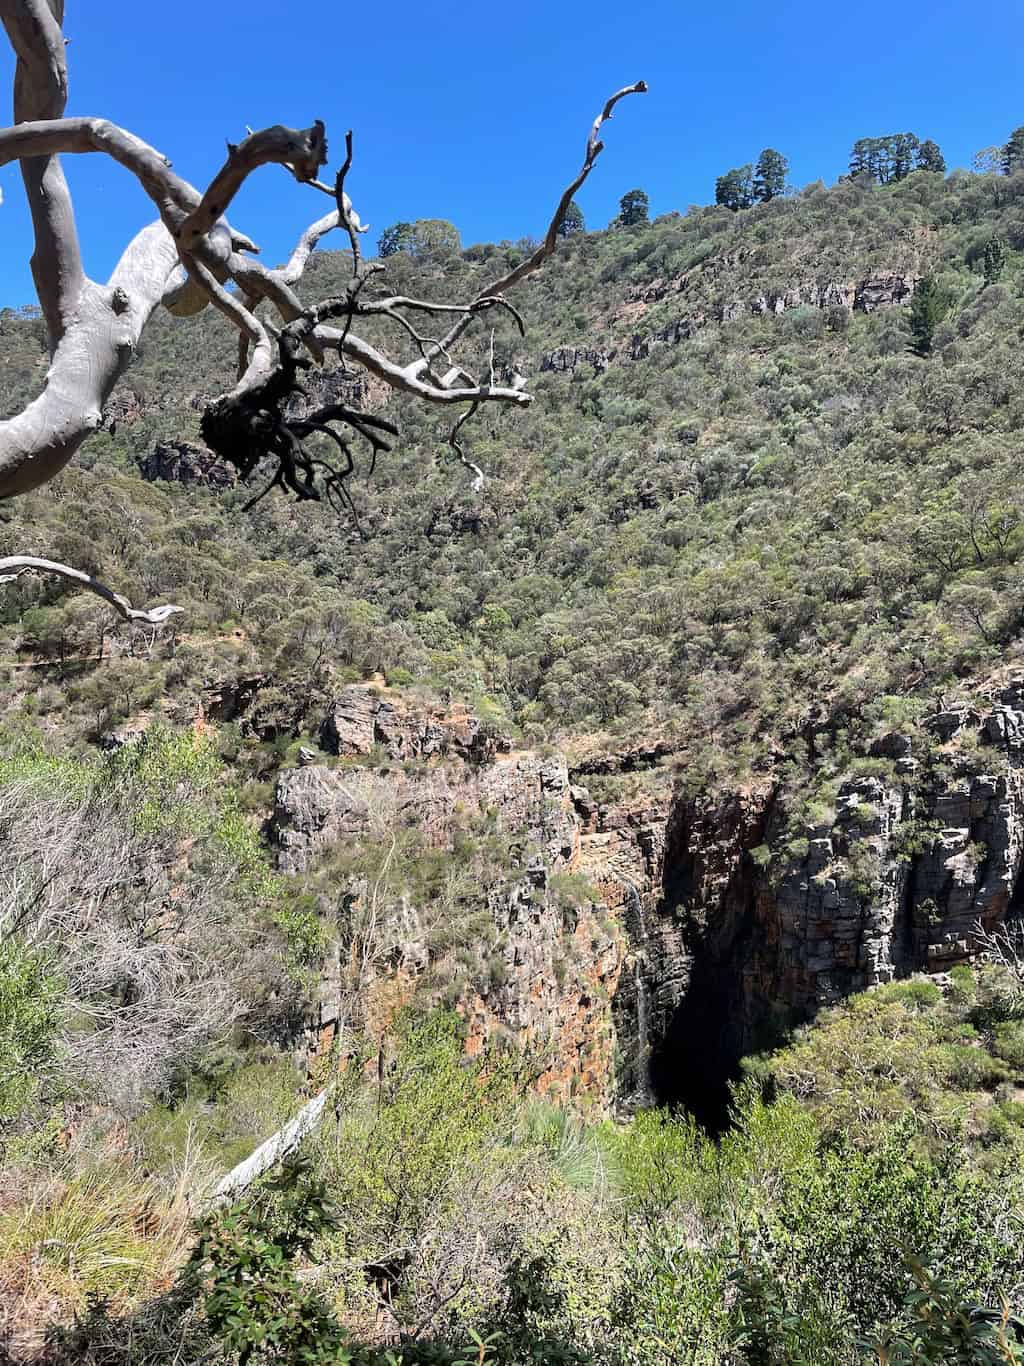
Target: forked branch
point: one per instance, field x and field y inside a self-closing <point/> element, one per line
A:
<point x="250" y="422"/>
<point x="550" y="243"/>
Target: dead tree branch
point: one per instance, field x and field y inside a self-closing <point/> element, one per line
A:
<point x="550" y="243"/>
<point x="14" y="566"/>
<point x="41" y="92"/>
<point x="189" y="259"/>
<point x="277" y="1147"/>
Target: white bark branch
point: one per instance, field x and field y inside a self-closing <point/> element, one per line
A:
<point x="304" y="150"/>
<point x="291" y="272"/>
<point x="13" y="566"/>
<point x="174" y="197"/>
<point x="40" y="92"/>
<point x="547" y="248"/>
<point x="92" y="355"/>
<point x="282" y="1143"/>
<point x="407" y="377"/>
<point x="99" y="340"/>
<point x="185" y="261"/>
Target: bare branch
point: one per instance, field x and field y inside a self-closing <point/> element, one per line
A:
<point x="405" y="377"/>
<point x="234" y="310"/>
<point x="304" y="150"/>
<point x="276" y="1147"/>
<point x="594" y="149"/>
<point x="40" y="92"/>
<point x="174" y="198"/>
<point x="547" y="248"/>
<point x="13" y="566"/>
<point x="92" y="355"/>
<point x="347" y="216"/>
<point x="187" y="215"/>
<point x="291" y="272"/>
<point x="453" y="441"/>
<point x="188" y="260"/>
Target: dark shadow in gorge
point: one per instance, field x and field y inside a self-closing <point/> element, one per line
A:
<point x="698" y="1058"/>
<point x="722" y="1008"/>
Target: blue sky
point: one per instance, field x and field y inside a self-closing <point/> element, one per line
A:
<point x="478" y="113"/>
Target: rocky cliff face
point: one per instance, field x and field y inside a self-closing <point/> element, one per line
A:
<point x="777" y="919"/>
<point x="887" y="289"/>
<point x="564" y="946"/>
<point x="183" y="462"/>
<point x="696" y="926"/>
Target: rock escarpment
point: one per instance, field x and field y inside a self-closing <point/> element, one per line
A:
<point x="778" y="918"/>
<point x="567" y="358"/>
<point x="362" y="717"/>
<point x="183" y="462"/>
<point x="886" y="289"/>
<point x="560" y="971"/>
<point x="641" y="945"/>
<point x="883" y="290"/>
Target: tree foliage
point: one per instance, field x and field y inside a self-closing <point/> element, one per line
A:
<point x="735" y="190"/>
<point x="929" y="305"/>
<point x="573" y="222"/>
<point x="633" y="208"/>
<point x="398" y="237"/>
<point x="886" y="159"/>
<point x="769" y="175"/>
<point x="930" y="158"/>
<point x="1013" y="152"/>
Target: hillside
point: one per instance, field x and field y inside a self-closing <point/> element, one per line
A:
<point x="516" y="811"/>
<point x="738" y="508"/>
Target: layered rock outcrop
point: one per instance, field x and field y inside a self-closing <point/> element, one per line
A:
<point x="567" y="358"/>
<point x="183" y="462"/>
<point x="363" y="717"/>
<point x="323" y="387"/>
<point x="557" y="944"/>
<point x="884" y="290"/>
<point x="693" y="927"/>
<point x="862" y="296"/>
<point x="906" y="873"/>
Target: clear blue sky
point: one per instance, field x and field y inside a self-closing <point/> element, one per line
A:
<point x="478" y="113"/>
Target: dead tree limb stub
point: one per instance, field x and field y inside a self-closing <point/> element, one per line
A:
<point x="191" y="258"/>
<point x="274" y="1150"/>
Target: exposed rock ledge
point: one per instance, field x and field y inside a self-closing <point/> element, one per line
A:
<point x="886" y="290"/>
<point x="183" y="462"/>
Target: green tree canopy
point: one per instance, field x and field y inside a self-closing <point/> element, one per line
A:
<point x="770" y="175"/>
<point x="1013" y="152"/>
<point x="928" y="307"/>
<point x="987" y="160"/>
<point x="394" y="239"/>
<point x="930" y="158"/>
<point x="425" y="238"/>
<point x="735" y="189"/>
<point x="573" y="221"/>
<point x="633" y="208"/>
<point x="887" y="158"/>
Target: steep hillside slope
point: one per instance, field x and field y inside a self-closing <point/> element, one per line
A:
<point x="749" y="564"/>
<point x="737" y="494"/>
